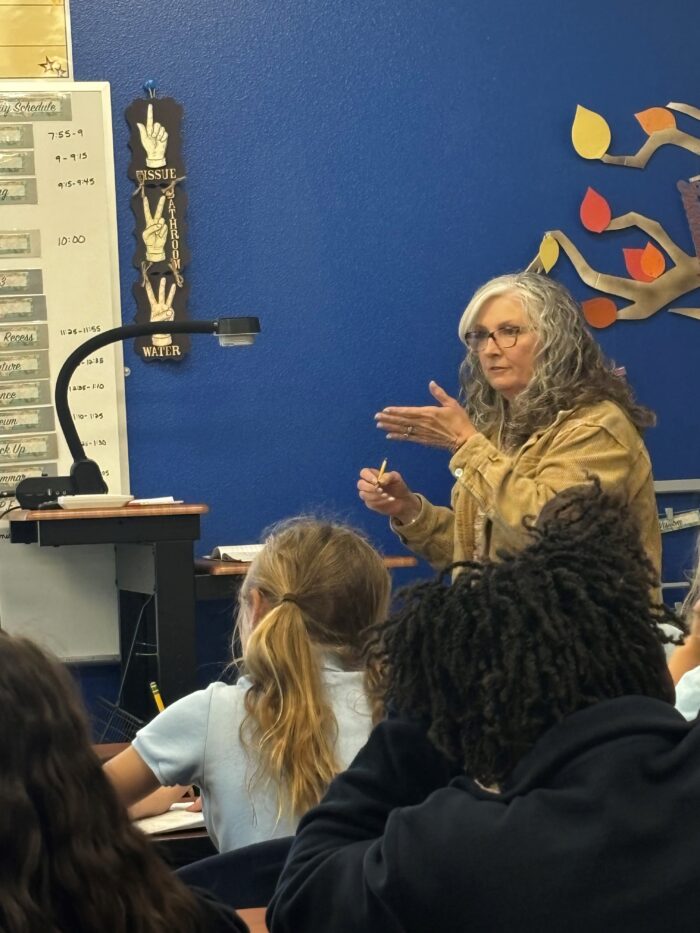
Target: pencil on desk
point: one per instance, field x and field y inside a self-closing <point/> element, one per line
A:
<point x="380" y="475"/>
<point x="157" y="697"/>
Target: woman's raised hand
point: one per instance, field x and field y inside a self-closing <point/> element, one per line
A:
<point x="445" y="425"/>
<point x="393" y="498"/>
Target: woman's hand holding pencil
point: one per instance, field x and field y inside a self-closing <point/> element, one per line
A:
<point x="384" y="491"/>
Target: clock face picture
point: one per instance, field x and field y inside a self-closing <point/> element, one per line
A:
<point x="158" y="203"/>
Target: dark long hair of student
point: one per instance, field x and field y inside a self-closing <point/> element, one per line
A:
<point x="71" y="862"/>
<point x="493" y="661"/>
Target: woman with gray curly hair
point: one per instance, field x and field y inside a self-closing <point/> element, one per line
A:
<point x="543" y="410"/>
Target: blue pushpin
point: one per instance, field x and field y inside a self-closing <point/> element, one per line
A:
<point x="150" y="87"/>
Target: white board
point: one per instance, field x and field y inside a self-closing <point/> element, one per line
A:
<point x="59" y="285"/>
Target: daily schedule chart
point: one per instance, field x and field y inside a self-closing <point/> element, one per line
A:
<point x="58" y="287"/>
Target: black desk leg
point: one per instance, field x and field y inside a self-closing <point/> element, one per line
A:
<point x="175" y="619"/>
<point x="165" y="646"/>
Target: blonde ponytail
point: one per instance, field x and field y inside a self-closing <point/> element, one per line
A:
<point x="294" y="725"/>
<point x="326" y="585"/>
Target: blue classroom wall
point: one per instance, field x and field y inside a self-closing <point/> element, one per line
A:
<point x="354" y="171"/>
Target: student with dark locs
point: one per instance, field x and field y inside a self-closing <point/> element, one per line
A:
<point x="535" y="775"/>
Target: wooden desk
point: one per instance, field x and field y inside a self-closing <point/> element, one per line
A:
<point x="220" y="579"/>
<point x="154" y="556"/>
<point x="255" y="918"/>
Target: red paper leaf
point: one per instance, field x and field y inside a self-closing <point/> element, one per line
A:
<point x="633" y="261"/>
<point x="653" y="262"/>
<point x="595" y="211"/>
<point x="600" y="312"/>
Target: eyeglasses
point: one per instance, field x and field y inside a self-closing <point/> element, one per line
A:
<point x="504" y="337"/>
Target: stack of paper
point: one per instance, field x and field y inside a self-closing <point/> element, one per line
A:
<point x="174" y="820"/>
<point x="241" y="552"/>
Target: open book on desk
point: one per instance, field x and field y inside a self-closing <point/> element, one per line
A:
<point x="239" y="552"/>
<point x="177" y="819"/>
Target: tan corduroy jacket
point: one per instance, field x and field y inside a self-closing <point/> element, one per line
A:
<point x="597" y="440"/>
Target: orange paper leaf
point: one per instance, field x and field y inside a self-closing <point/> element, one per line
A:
<point x="595" y="211"/>
<point x="590" y="134"/>
<point x="655" y="119"/>
<point x="633" y="261"/>
<point x="652" y="261"/>
<point x="600" y="312"/>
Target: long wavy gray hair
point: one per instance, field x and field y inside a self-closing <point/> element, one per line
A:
<point x="570" y="369"/>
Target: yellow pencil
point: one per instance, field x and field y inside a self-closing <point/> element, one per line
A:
<point x="157" y="697"/>
<point x="380" y="475"/>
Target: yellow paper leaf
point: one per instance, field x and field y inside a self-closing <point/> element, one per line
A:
<point x="590" y="134"/>
<point x="549" y="252"/>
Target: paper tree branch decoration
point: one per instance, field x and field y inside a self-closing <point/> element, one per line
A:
<point x="651" y="285"/>
<point x="591" y="136"/>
